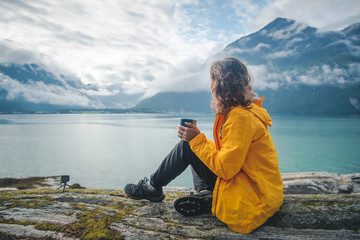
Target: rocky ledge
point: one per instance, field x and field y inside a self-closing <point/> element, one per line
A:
<point x="316" y="206"/>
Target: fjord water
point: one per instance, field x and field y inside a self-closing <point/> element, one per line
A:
<point x="110" y="150"/>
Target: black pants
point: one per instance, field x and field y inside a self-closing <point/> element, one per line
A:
<point x="179" y="158"/>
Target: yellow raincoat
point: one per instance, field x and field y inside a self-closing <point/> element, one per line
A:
<point x="249" y="187"/>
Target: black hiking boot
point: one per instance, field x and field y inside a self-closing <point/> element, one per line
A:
<point x="142" y="191"/>
<point x="194" y="204"/>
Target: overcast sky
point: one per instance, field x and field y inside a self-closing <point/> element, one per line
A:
<point x="146" y="46"/>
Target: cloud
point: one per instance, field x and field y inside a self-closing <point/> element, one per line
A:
<point x="263" y="78"/>
<point x="355" y="102"/>
<point x="261" y="45"/>
<point x="281" y="54"/>
<point x="143" y="47"/>
<point x="189" y="75"/>
<point x="317" y="75"/>
<point x="323" y="14"/>
<point x="9" y="54"/>
<point x="39" y="92"/>
<point x="291" y="30"/>
<point x="137" y="41"/>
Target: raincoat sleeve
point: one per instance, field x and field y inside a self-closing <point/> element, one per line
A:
<point x="237" y="135"/>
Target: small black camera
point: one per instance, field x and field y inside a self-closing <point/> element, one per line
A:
<point x="65" y="178"/>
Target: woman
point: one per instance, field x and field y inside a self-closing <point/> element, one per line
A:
<point x="237" y="176"/>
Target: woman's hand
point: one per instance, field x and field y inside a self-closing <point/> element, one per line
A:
<point x="187" y="133"/>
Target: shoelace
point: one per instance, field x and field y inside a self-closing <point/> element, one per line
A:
<point x="141" y="186"/>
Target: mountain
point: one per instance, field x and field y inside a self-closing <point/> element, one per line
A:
<point x="307" y="99"/>
<point x="31" y="88"/>
<point x="301" y="99"/>
<point x="177" y="102"/>
<point x="298" y="68"/>
<point x="287" y="46"/>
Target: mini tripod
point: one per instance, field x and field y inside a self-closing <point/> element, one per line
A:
<point x="64" y="179"/>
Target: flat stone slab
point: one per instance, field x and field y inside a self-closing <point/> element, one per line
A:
<point x="320" y="183"/>
<point x="49" y="214"/>
<point x="29" y="232"/>
<point x="110" y="214"/>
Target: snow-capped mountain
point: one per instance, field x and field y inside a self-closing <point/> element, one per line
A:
<point x="31" y="88"/>
<point x="298" y="68"/>
<point x="286" y="52"/>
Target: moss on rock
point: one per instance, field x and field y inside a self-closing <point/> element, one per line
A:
<point x="109" y="214"/>
<point x="23" y="183"/>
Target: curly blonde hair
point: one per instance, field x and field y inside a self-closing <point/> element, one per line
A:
<point x="230" y="85"/>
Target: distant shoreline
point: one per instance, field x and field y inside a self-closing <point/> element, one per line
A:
<point x="294" y="183"/>
<point x="86" y="111"/>
<point x="126" y="111"/>
<point x="35" y="183"/>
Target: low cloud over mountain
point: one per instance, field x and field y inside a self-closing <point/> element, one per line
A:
<point x="31" y="88"/>
<point x="300" y="69"/>
<point x="287" y="52"/>
<point x="285" y="56"/>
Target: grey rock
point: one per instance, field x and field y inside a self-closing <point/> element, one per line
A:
<point x="355" y="177"/>
<point x="318" y="212"/>
<point x="356" y="188"/>
<point x="345" y="188"/>
<point x="306" y="186"/>
<point x="29" y="231"/>
<point x="46" y="215"/>
<point x="324" y="214"/>
<point x="320" y="183"/>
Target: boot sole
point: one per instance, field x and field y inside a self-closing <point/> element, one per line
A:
<point x="152" y="199"/>
<point x="193" y="206"/>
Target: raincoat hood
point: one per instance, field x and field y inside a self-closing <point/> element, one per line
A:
<point x="260" y="112"/>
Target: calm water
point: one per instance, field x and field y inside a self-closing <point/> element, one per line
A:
<point x="110" y="150"/>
